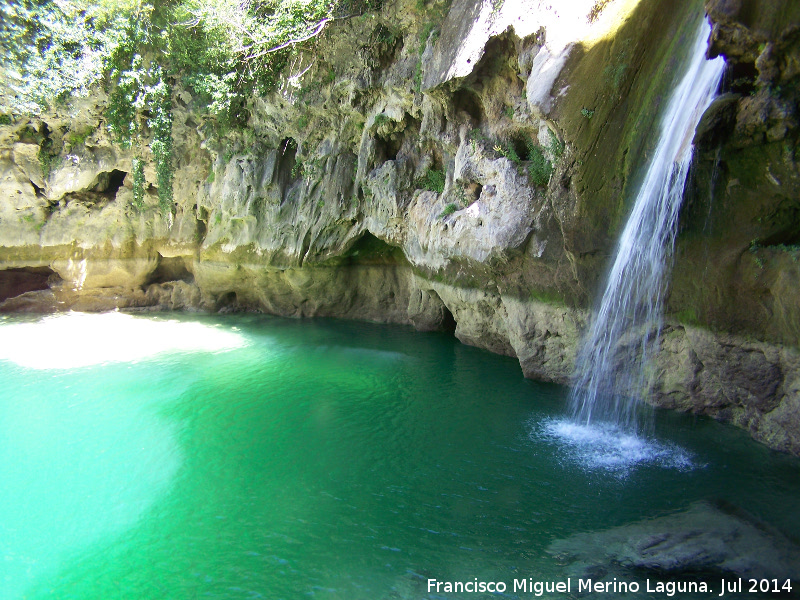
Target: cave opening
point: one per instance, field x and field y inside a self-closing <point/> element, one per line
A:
<point x="499" y="58"/>
<point x="170" y="268"/>
<point x="109" y="182"/>
<point x="468" y="101"/>
<point x="201" y="221"/>
<point x="741" y="77"/>
<point x="370" y="249"/>
<point x="387" y="147"/>
<point x="789" y="237"/>
<point x="448" y="321"/>
<point x="18" y="281"/>
<point x="286" y="170"/>
<point x="227" y="302"/>
<point x="523" y="143"/>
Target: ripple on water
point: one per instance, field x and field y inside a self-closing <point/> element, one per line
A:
<point x="606" y="447"/>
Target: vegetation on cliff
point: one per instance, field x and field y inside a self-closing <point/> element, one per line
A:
<point x="224" y="51"/>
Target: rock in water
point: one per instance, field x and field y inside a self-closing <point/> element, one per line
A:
<point x="705" y="538"/>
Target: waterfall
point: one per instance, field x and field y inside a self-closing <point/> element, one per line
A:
<point x="613" y="363"/>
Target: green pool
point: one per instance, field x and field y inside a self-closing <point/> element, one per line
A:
<point x="231" y="457"/>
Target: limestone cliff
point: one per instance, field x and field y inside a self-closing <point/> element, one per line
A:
<point x="465" y="166"/>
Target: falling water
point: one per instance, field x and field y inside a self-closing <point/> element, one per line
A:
<point x="612" y="366"/>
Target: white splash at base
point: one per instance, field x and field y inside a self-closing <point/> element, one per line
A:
<point x="607" y="447"/>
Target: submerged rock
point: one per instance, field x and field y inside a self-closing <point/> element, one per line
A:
<point x="707" y="538"/>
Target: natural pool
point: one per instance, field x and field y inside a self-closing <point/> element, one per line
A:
<point x="231" y="457"/>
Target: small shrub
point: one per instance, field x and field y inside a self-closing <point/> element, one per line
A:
<point x="508" y="151"/>
<point x="448" y="210"/>
<point x="418" y="77"/>
<point x="540" y="169"/>
<point x="433" y="180"/>
<point x="297" y="169"/>
<point x="587" y="113"/>
<point x="555" y="146"/>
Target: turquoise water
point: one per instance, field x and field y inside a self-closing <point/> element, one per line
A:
<point x="233" y="457"/>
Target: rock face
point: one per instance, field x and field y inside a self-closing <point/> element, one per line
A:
<point x="463" y="167"/>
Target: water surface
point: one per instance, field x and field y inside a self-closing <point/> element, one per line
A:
<point x="232" y="457"/>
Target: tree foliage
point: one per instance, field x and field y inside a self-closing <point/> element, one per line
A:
<point x="53" y="49"/>
<point x="225" y="51"/>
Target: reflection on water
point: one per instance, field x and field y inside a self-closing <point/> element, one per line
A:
<point x="288" y="459"/>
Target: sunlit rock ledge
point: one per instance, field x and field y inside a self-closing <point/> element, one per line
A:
<point x="319" y="208"/>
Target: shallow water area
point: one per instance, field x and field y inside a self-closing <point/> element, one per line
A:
<point x="244" y="456"/>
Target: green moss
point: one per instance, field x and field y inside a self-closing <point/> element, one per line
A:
<point x="612" y="129"/>
<point x="547" y="297"/>
<point x="424" y="34"/>
<point x="48" y="157"/>
<point x="78" y="138"/>
<point x="687" y="316"/>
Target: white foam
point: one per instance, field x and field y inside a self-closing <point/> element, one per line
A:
<point x="72" y="340"/>
<point x="606" y="447"/>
